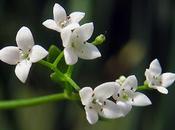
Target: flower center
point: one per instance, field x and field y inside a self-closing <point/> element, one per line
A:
<point x="97" y="105"/>
<point x="98" y="102"/>
<point x="24" y="55"/>
<point x="124" y="95"/>
<point x="156" y="81"/>
<point x="65" y="22"/>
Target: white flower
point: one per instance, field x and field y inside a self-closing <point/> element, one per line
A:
<point x="156" y="80"/>
<point x="97" y="102"/>
<point x="24" y="54"/>
<point x="76" y="45"/>
<point x="125" y="93"/>
<point x="61" y="20"/>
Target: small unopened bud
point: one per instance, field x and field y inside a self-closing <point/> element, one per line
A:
<point x="121" y="80"/>
<point x="145" y="83"/>
<point x="99" y="39"/>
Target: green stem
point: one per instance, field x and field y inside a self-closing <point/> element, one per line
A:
<point x="37" y="100"/>
<point x="71" y="82"/>
<point x="60" y="74"/>
<point x="69" y="70"/>
<point x="72" y="96"/>
<point x="49" y="98"/>
<point x="143" y="87"/>
<point x="46" y="64"/>
<point x="32" y="101"/>
<point x="58" y="59"/>
<point x="67" y="78"/>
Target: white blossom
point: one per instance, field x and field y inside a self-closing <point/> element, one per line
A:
<point x="125" y="93"/>
<point x="76" y="45"/>
<point x="61" y="20"/>
<point x="24" y="54"/>
<point x="155" y="79"/>
<point x="97" y="103"/>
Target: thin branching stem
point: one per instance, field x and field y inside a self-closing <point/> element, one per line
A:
<point x="36" y="101"/>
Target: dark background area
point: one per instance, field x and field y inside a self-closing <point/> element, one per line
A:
<point x="137" y="32"/>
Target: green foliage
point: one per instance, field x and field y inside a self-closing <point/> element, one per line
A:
<point x="54" y="51"/>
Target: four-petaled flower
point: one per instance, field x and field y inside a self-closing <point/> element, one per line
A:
<point x="76" y="45"/>
<point x="125" y="93"/>
<point x="61" y="20"/>
<point x="97" y="102"/>
<point x="156" y="80"/>
<point x="24" y="54"/>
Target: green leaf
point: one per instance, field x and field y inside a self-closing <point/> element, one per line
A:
<point x="62" y="82"/>
<point x="62" y="65"/>
<point x="54" y="51"/>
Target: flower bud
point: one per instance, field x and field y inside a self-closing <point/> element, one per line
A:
<point x="99" y="39"/>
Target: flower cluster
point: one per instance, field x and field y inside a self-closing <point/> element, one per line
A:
<point x="123" y="96"/>
<point x="74" y="38"/>
<point x="73" y="35"/>
<point x="108" y="100"/>
<point x="115" y="99"/>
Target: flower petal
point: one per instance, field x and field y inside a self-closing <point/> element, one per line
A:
<point x="71" y="26"/>
<point x="162" y="90"/>
<point x="70" y="56"/>
<point x="65" y="36"/>
<point x="86" y="95"/>
<point x="88" y="51"/>
<point x="149" y="76"/>
<point x="87" y="30"/>
<point x="51" y="25"/>
<point x="130" y="83"/>
<point x="24" y="39"/>
<point x="116" y="91"/>
<point x="37" y="53"/>
<point x="155" y="67"/>
<point x="91" y="115"/>
<point x="111" y="110"/>
<point x="140" y="99"/>
<point x="22" y="70"/>
<point x="59" y="13"/>
<point x="10" y="55"/>
<point x="167" y="79"/>
<point x="76" y="16"/>
<point x="124" y="107"/>
<point x="105" y="90"/>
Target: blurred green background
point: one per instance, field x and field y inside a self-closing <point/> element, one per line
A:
<point x="137" y="32"/>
